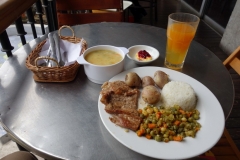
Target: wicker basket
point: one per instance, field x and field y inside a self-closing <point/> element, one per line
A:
<point x="54" y="74"/>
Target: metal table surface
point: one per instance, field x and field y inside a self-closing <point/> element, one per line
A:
<point x="61" y="120"/>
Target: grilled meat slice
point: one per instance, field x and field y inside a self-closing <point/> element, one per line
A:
<point x="119" y="95"/>
<point x="121" y="101"/>
<point x="126" y="121"/>
<point x="129" y="111"/>
<point x="118" y="87"/>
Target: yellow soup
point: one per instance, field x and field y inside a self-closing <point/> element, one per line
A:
<point x="103" y="57"/>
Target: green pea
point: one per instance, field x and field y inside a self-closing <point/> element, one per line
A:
<point x="152" y="133"/>
<point x="165" y="139"/>
<point x="163" y="129"/>
<point x="165" y="135"/>
<point x="154" y="121"/>
<point x="170" y="128"/>
<point x="145" y="125"/>
<point x="180" y="130"/>
<point x="183" y="134"/>
<point x="159" y="123"/>
<point x="145" y="113"/>
<point x="173" y="133"/>
<point x="188" y="126"/>
<point x="146" y="121"/>
<point x="182" y="125"/>
<point x="190" y="119"/>
<point x="193" y="125"/>
<point x="171" y="117"/>
<point x="150" y="119"/>
<point x="190" y="133"/>
<point x="195" y="116"/>
<point x="176" y="107"/>
<point x="157" y="138"/>
<point x="150" y="110"/>
<point x="148" y="130"/>
<point x="197" y="112"/>
<point x="198" y="125"/>
<point x="168" y="124"/>
<point x="156" y="130"/>
<point x="175" y="127"/>
<point x="155" y="109"/>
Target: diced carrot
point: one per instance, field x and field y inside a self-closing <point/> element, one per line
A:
<point x="165" y="125"/>
<point x="189" y="114"/>
<point x="140" y="111"/>
<point x="158" y="115"/>
<point x="197" y="129"/>
<point x="177" y="123"/>
<point x="143" y="131"/>
<point x="140" y="132"/>
<point x="148" y="136"/>
<point x="151" y="125"/>
<point x="178" y="138"/>
<point x="171" y="133"/>
<point x="181" y="111"/>
<point x="166" y="140"/>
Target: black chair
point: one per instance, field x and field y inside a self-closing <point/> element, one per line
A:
<point x="139" y="6"/>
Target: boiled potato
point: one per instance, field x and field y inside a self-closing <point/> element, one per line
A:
<point x="160" y="78"/>
<point x="147" y="80"/>
<point x="150" y="94"/>
<point x="133" y="80"/>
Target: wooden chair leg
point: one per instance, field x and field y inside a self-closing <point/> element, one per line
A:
<point x="225" y="149"/>
<point x="231" y="142"/>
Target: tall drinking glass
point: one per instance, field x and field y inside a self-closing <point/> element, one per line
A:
<point x="180" y="32"/>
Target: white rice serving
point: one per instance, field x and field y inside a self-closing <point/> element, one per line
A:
<point x="179" y="93"/>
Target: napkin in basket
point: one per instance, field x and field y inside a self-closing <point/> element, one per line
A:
<point x="69" y="52"/>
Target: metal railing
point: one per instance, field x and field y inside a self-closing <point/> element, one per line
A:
<point x="11" y="13"/>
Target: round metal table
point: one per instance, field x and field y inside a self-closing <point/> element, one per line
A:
<point x="61" y="120"/>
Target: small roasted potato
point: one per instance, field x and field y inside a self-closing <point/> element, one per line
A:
<point x="150" y="94"/>
<point x="160" y="78"/>
<point x="133" y="80"/>
<point x="147" y="80"/>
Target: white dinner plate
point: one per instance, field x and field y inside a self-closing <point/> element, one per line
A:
<point x="211" y="118"/>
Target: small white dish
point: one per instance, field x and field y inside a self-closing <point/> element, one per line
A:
<point x="135" y="49"/>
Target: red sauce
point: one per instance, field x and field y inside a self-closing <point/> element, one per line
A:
<point x="143" y="55"/>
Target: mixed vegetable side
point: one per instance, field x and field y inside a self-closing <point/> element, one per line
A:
<point x="170" y="124"/>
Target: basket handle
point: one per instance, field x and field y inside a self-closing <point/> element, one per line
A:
<point x="45" y="57"/>
<point x="65" y="26"/>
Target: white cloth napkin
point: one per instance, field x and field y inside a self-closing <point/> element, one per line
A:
<point x="69" y="51"/>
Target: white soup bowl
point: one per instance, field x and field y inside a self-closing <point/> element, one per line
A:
<point x="99" y="73"/>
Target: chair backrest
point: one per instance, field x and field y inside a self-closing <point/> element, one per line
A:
<point x="233" y="61"/>
<point x="73" y="12"/>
